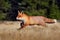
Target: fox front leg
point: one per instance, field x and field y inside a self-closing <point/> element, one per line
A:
<point x="22" y="24"/>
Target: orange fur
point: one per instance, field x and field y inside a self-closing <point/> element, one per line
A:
<point x="33" y="19"/>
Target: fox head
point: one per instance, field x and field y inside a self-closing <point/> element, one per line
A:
<point x="22" y="16"/>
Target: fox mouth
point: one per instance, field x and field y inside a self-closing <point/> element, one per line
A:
<point x="20" y="19"/>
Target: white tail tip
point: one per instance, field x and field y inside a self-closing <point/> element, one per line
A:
<point x="55" y="20"/>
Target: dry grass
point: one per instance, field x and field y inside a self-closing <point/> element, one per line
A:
<point x="8" y="31"/>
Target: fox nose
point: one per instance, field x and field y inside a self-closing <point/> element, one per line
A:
<point x="16" y="17"/>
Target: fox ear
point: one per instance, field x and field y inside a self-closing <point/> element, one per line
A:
<point x="21" y="12"/>
<point x="18" y="11"/>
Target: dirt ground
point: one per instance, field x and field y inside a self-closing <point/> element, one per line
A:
<point x="9" y="31"/>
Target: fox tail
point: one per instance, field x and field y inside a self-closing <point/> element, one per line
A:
<point x="55" y="20"/>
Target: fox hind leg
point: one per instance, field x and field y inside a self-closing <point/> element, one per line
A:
<point x="43" y="23"/>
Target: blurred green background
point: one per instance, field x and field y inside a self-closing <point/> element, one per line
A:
<point x="48" y="8"/>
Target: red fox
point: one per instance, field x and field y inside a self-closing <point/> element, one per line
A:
<point x="27" y="20"/>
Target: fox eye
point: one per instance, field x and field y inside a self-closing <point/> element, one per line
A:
<point x="19" y="16"/>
